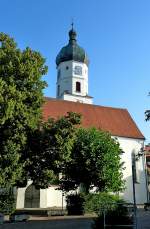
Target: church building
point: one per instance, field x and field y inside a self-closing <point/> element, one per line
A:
<point x="72" y="95"/>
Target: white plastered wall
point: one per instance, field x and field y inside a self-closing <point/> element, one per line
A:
<point x="54" y="198"/>
<point x="21" y="196"/>
<point x="130" y="145"/>
<point x="49" y="198"/>
<point x="83" y="79"/>
<point x="67" y="82"/>
<point x="65" y="79"/>
<point x="79" y="99"/>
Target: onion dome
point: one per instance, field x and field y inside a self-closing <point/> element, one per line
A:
<point x="72" y="51"/>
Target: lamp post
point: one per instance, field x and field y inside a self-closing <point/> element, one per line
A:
<point x="62" y="202"/>
<point x="133" y="183"/>
<point x="135" y="157"/>
<point x="147" y="176"/>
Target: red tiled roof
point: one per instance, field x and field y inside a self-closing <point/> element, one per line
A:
<point x="147" y="148"/>
<point x="115" y="120"/>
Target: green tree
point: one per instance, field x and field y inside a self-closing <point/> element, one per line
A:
<point x="147" y="113"/>
<point x="49" y="148"/>
<point x="21" y="99"/>
<point x="95" y="162"/>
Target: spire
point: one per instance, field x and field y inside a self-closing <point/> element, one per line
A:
<point x="72" y="34"/>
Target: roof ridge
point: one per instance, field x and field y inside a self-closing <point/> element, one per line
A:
<point x="86" y="104"/>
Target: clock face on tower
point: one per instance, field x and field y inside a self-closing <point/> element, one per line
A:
<point x="78" y="70"/>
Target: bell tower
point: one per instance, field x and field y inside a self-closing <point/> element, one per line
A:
<point x="72" y="72"/>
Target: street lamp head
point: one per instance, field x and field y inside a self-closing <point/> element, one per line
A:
<point x="142" y="149"/>
<point x="140" y="153"/>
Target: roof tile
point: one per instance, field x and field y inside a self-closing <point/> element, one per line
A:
<point x="115" y="120"/>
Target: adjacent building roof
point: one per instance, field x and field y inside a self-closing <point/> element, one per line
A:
<point x="147" y="148"/>
<point x="115" y="120"/>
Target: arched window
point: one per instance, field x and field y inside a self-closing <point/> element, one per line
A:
<point x="78" y="86"/>
<point x="32" y="197"/>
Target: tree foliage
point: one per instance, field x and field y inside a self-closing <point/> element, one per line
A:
<point x="147" y="113"/>
<point x="95" y="162"/>
<point x="49" y="148"/>
<point x="7" y="201"/>
<point x="21" y="98"/>
<point x="98" y="202"/>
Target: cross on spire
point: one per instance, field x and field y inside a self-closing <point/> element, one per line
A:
<point x="72" y="24"/>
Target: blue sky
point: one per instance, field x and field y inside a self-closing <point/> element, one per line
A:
<point x="114" y="33"/>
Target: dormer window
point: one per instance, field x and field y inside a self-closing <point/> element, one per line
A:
<point x="78" y="87"/>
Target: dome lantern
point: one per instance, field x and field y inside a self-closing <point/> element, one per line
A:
<point x="72" y="35"/>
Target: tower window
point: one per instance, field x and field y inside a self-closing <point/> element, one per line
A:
<point x="67" y="67"/>
<point x="58" y="90"/>
<point x="78" y="87"/>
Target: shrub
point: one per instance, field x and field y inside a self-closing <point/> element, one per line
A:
<point x="117" y="216"/>
<point x="7" y="202"/>
<point x="75" y="204"/>
<point x="116" y="210"/>
<point x="96" y="202"/>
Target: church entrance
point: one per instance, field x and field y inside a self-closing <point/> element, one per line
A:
<point x="32" y="197"/>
